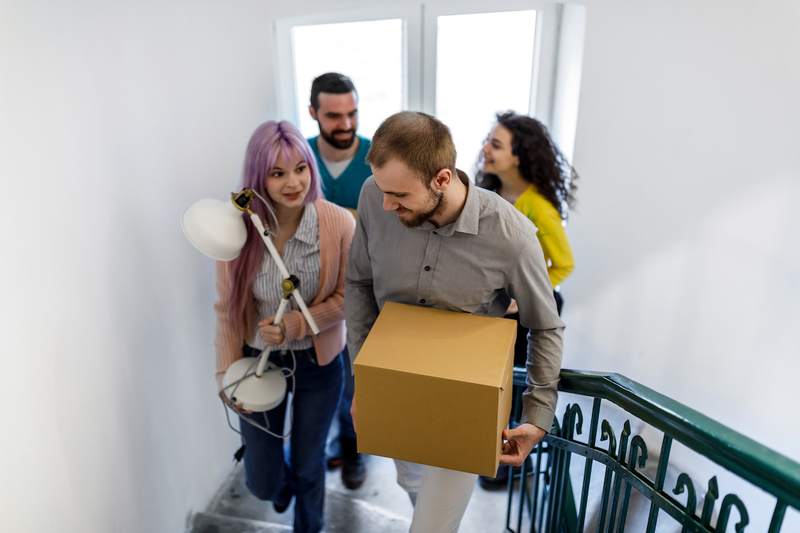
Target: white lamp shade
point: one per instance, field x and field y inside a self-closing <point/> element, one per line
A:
<point x="215" y="228"/>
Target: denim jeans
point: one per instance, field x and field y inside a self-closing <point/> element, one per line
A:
<point x="343" y="427"/>
<point x="346" y="429"/>
<point x="273" y="474"/>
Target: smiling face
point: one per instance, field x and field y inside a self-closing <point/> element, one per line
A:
<point x="406" y="195"/>
<point x="496" y="155"/>
<point x="287" y="183"/>
<point x="337" y="117"/>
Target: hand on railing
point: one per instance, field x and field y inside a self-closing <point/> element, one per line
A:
<point x="519" y="442"/>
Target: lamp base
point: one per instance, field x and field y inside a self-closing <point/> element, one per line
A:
<point x="255" y="394"/>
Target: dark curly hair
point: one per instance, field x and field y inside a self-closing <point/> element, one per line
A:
<point x="541" y="163"/>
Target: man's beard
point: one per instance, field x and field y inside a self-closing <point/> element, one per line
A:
<point x="341" y="144"/>
<point x="437" y="199"/>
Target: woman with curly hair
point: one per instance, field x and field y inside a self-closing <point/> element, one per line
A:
<point x="521" y="163"/>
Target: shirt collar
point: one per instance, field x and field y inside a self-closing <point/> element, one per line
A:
<point x="307" y="229"/>
<point x="467" y="221"/>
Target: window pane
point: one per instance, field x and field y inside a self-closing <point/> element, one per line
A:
<point x="484" y="64"/>
<point x="370" y="53"/>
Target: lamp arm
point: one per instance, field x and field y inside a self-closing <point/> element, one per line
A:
<point x="306" y="313"/>
<point x="265" y="236"/>
<point x="262" y="360"/>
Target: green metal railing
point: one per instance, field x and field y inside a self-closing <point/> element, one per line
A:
<point x="542" y="497"/>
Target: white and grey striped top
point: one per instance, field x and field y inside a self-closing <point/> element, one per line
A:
<point x="301" y="256"/>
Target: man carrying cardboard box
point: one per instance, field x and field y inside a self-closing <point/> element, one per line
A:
<point x="426" y="236"/>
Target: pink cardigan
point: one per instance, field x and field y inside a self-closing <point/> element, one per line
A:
<point x="336" y="228"/>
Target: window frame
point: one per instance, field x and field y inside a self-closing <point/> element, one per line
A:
<point x="411" y="16"/>
<point x="419" y="49"/>
<point x="545" y="48"/>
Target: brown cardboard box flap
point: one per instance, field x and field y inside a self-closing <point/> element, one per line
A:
<point x="428" y="341"/>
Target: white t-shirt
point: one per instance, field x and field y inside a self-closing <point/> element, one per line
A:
<point x="336" y="168"/>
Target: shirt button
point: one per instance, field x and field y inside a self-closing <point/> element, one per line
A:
<point x="422" y="300"/>
<point x="427" y="269"/>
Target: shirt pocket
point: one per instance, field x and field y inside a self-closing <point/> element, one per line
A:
<point x="482" y="298"/>
<point x="470" y="299"/>
<point x="308" y="272"/>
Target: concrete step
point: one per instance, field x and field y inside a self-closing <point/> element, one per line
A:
<point x="217" y="523"/>
<point x="379" y="505"/>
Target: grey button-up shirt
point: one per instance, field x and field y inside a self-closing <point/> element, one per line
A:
<point x="476" y="264"/>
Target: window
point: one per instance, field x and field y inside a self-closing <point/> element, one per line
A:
<point x="451" y="60"/>
<point x="369" y="52"/>
<point x="484" y="64"/>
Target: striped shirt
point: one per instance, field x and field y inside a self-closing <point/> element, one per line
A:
<point x="301" y="256"/>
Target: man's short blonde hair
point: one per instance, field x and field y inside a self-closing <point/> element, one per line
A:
<point x="420" y="141"/>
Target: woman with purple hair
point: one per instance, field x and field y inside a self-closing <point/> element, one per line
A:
<point x="313" y="237"/>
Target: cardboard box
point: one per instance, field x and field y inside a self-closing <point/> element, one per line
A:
<point x="434" y="387"/>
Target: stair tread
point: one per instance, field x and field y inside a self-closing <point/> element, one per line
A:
<point x="217" y="523"/>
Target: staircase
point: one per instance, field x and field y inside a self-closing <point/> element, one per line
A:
<point x="586" y="477"/>
<point x="380" y="506"/>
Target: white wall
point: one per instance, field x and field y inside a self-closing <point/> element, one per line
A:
<point x="688" y="265"/>
<point x="113" y="118"/>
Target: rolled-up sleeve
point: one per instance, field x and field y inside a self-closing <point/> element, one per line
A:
<point x="530" y="286"/>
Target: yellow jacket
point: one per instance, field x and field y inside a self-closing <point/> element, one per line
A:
<point x="552" y="237"/>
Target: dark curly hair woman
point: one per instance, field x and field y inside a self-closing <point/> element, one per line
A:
<point x="520" y="162"/>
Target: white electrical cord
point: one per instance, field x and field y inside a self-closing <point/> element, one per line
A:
<point x="269" y="209"/>
<point x="287" y="373"/>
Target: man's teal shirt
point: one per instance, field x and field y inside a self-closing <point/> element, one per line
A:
<point x="345" y="189"/>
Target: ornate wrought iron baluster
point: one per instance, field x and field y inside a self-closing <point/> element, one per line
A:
<point x="606" y="433"/>
<point x="710" y="500"/>
<point x="587" y="473"/>
<point x="777" y="517"/>
<point x="661" y="474"/>
<point x="685" y="483"/>
<point x="516" y="408"/>
<point x="546" y="486"/>
<point x="638" y="456"/>
<point x="573" y="422"/>
<point x="732" y="500"/>
<point x="535" y="488"/>
<point x="523" y="484"/>
<point x="555" y="480"/>
<point x="623" y="447"/>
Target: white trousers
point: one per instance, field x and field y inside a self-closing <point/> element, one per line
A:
<point x="440" y="496"/>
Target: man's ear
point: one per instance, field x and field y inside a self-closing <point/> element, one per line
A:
<point x="442" y="180"/>
<point x="312" y="112"/>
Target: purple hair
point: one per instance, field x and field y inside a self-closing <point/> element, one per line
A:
<point x="269" y="142"/>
